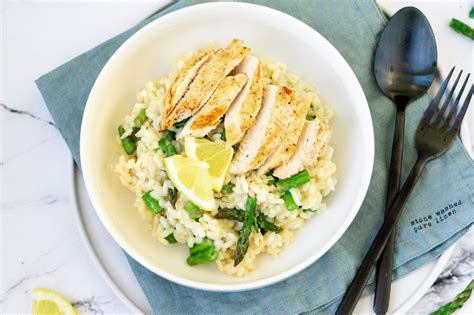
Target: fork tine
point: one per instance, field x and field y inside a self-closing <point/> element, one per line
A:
<point x="454" y="107"/>
<point x="447" y="101"/>
<point x="434" y="102"/>
<point x="462" y="112"/>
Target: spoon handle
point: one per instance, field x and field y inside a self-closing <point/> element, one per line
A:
<point x="385" y="265"/>
<point x="357" y="286"/>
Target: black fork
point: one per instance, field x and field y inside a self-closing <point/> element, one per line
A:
<point x="434" y="136"/>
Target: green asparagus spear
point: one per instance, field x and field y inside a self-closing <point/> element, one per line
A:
<point x="223" y="136"/>
<point x="267" y="226"/>
<point x="272" y="181"/>
<point x="151" y="203"/>
<point x="227" y="189"/>
<point x="128" y="143"/>
<point x="134" y="132"/>
<point x="172" y="196"/>
<point x="471" y="13"/>
<point x="192" y="210"/>
<point x="166" y="143"/>
<point x="290" y="203"/>
<point x="170" y="238"/>
<point x="168" y="134"/>
<point x="203" y="257"/>
<point x="231" y="214"/>
<point x="201" y="247"/>
<point x="294" y="181"/>
<point x="239" y="215"/>
<point x="140" y="119"/>
<point x="121" y="130"/>
<point x="134" y="136"/>
<point x="202" y="253"/>
<point x="458" y="302"/>
<point x="248" y="225"/>
<point x="181" y="123"/>
<point x="462" y="28"/>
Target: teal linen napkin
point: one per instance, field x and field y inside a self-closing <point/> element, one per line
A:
<point x="438" y="213"/>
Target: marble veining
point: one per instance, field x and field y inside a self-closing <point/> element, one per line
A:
<point x="92" y="305"/>
<point x="456" y="275"/>
<point x="43" y="200"/>
<point x="24" y="112"/>
<point x="23" y="279"/>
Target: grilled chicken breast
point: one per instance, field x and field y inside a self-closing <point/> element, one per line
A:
<point x="206" y="81"/>
<point x="266" y="132"/>
<point x="296" y="114"/>
<point x="246" y="105"/>
<point x="181" y="82"/>
<point x="311" y="143"/>
<point x="209" y="116"/>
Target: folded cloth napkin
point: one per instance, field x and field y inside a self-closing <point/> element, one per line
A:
<point x="438" y="213"/>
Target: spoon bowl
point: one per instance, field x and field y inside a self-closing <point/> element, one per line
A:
<point x="406" y="56"/>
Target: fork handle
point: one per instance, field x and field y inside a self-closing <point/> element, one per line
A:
<point x="357" y="286"/>
<point x="385" y="264"/>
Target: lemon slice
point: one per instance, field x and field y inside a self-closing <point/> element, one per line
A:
<point x="191" y="178"/>
<point x="215" y="154"/>
<point x="47" y="302"/>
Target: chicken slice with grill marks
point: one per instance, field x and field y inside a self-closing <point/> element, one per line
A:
<point x="206" y="81"/>
<point x="265" y="134"/>
<point x="296" y="119"/>
<point x="312" y="142"/>
<point x="246" y="105"/>
<point x="181" y="83"/>
<point x="209" y="116"/>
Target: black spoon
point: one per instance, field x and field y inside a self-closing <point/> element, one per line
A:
<point x="405" y="66"/>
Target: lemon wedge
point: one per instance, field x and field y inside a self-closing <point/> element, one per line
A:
<point x="192" y="179"/>
<point x="47" y="302"/>
<point x="215" y="154"/>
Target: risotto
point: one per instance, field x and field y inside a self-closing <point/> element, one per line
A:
<point x="177" y="221"/>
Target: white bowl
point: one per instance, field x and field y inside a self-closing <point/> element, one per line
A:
<point x="147" y="55"/>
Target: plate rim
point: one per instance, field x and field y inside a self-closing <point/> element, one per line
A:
<point x="89" y="244"/>
<point x="365" y="178"/>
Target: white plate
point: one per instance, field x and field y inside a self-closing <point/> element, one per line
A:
<point x="147" y="55"/>
<point x="113" y="265"/>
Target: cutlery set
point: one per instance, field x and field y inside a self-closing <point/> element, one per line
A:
<point x="405" y="67"/>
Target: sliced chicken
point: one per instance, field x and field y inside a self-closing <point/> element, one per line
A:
<point x="181" y="82"/>
<point x="264" y="135"/>
<point x="312" y="142"/>
<point x="206" y="81"/>
<point x="209" y="116"/>
<point x="296" y="118"/>
<point x="323" y="137"/>
<point x="245" y="107"/>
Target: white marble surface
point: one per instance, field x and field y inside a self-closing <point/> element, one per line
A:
<point x="40" y="244"/>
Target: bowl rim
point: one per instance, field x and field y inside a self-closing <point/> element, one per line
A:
<point x="367" y="132"/>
